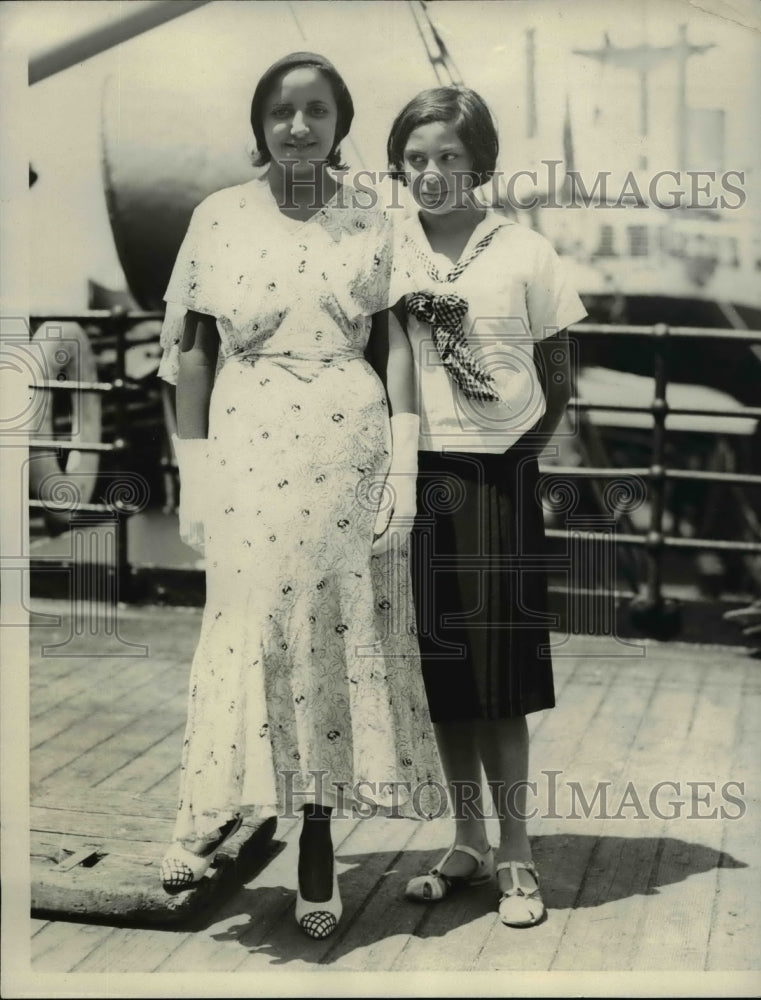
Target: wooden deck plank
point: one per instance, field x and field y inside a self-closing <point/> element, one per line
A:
<point x="618" y="694"/>
<point x="596" y="894"/>
<point x="86" y="675"/>
<point x="61" y="947"/>
<point x="123" y="885"/>
<point x="615" y="873"/>
<point x="133" y="740"/>
<point x="99" y="696"/>
<point x="363" y="947"/>
<point x="56" y="720"/>
<point x="557" y="747"/>
<point x="284" y="941"/>
<point x="735" y="942"/>
<point x="618" y="882"/>
<point x="219" y="947"/>
<point x="104" y="800"/>
<point x="254" y="942"/>
<point x="676" y="930"/>
<point x="374" y="941"/>
<point x="156" y="769"/>
<point x="147" y="950"/>
<point x="73" y="749"/>
<point x="456" y="930"/>
<point x="363" y="855"/>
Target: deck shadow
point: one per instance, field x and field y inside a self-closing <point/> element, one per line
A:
<point x="578" y="871"/>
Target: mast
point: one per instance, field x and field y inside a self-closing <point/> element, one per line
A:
<point x="642" y="58"/>
<point x="444" y="67"/>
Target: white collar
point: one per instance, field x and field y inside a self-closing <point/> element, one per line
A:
<point x="492" y="220"/>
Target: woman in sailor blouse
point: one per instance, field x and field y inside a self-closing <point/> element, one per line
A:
<point x="485" y="320"/>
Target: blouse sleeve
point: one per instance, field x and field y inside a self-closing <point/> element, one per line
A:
<point x="192" y="286"/>
<point x="552" y="304"/>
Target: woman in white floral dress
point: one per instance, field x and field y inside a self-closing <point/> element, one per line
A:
<point x="303" y="680"/>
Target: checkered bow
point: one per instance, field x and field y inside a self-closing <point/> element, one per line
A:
<point x="445" y="314"/>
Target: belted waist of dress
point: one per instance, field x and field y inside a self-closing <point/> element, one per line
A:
<point x="293" y="362"/>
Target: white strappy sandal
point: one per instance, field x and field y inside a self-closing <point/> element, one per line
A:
<point x="519" y="907"/>
<point x="435" y="885"/>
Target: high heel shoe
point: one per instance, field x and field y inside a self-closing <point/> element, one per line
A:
<point x="435" y="885"/>
<point x="319" y="920"/>
<point x="181" y="868"/>
<point x="519" y="907"/>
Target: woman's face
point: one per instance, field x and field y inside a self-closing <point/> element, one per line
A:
<point x="300" y="117"/>
<point x="438" y="166"/>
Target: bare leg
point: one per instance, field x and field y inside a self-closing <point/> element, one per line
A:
<point x="462" y="766"/>
<point x="503" y="746"/>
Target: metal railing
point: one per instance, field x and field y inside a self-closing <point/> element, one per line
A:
<point x="649" y="603"/>
<point x="652" y="610"/>
<point x="122" y="495"/>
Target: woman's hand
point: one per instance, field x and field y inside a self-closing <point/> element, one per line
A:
<point x="397" y="513"/>
<point x="198" y="357"/>
<point x="391" y="356"/>
<point x="192" y="461"/>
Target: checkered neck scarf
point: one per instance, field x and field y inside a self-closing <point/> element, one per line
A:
<point x="445" y="314"/>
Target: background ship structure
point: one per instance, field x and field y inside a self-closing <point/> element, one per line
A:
<point x="628" y="137"/>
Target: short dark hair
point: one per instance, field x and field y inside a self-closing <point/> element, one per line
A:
<point x="269" y="78"/>
<point x="462" y="107"/>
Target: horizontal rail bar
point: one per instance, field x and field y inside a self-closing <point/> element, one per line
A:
<point x="618" y="538"/>
<point x="99" y="315"/>
<point x="580" y="472"/>
<point x="126" y="386"/>
<point x="747" y="411"/>
<point x="661" y="330"/>
<point x="728" y="478"/>
<point x="72" y="386"/>
<point x="87" y="508"/>
<point x="750" y="412"/>
<point x="581" y="404"/>
<point x="714" y="544"/>
<point x="99" y="446"/>
<point x="583" y="472"/>
<point x="668" y="541"/>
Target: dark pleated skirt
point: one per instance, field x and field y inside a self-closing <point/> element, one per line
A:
<point x="480" y="586"/>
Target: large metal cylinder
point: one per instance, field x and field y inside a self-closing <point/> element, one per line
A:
<point x="175" y="118"/>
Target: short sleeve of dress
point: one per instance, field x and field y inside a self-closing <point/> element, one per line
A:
<point x="551" y="302"/>
<point x="373" y="285"/>
<point x="193" y="285"/>
<point x="405" y="277"/>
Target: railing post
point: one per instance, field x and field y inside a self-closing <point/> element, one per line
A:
<point x="649" y="612"/>
<point x="119" y="323"/>
<point x="94" y="592"/>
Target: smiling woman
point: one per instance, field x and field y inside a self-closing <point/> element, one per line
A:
<point x="308" y="108"/>
<point x="299" y="686"/>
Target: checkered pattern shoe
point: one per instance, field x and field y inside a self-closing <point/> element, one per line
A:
<point x="181" y="868"/>
<point x="319" y="920"/>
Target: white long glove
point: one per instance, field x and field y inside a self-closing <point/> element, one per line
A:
<point x="397" y="511"/>
<point x="192" y="462"/>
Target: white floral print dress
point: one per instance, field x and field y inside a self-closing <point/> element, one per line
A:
<point x="306" y="675"/>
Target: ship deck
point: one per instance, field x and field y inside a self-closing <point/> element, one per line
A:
<point x="641" y="885"/>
